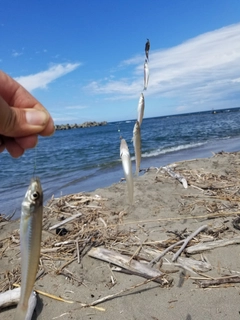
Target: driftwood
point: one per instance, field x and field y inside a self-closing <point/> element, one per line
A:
<point x="212" y="245"/>
<point x="9" y="298"/>
<point x="187" y="240"/>
<point x="66" y="220"/>
<point x="176" y="176"/>
<point x="12" y="297"/>
<point x="183" y="262"/>
<point x="123" y="261"/>
<point x="162" y="254"/>
<point x="193" y="265"/>
<point x="218" y="281"/>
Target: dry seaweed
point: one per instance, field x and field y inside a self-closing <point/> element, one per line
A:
<point x="89" y="223"/>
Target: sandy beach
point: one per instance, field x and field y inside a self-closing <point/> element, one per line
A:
<point x="164" y="212"/>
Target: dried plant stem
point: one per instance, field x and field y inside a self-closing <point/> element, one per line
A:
<point x="66" y="220"/>
<point x="111" y="296"/>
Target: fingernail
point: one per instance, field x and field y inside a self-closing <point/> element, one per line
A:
<point x="36" y="118"/>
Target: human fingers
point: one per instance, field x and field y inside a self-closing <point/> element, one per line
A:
<point x="18" y="97"/>
<point x="15" y="122"/>
<point x="12" y="147"/>
<point x="2" y="146"/>
<point x="27" y="142"/>
<point x="49" y="129"/>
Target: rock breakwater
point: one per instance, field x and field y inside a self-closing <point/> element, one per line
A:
<point x="83" y="125"/>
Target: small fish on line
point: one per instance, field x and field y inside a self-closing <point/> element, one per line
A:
<point x="30" y="243"/>
<point x="137" y="145"/>
<point x="147" y="48"/>
<point x="127" y="168"/>
<point x="141" y="106"/>
<point x="146" y="75"/>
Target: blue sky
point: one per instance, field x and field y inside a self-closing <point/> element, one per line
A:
<point x="84" y="59"/>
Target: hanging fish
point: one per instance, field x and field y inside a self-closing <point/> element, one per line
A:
<point x="30" y="240"/>
<point x="141" y="106"/>
<point x="146" y="75"/>
<point x="127" y="168"/>
<point x="137" y="145"/>
<point x="147" y="48"/>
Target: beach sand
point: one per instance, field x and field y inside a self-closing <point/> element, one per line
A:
<point x="163" y="213"/>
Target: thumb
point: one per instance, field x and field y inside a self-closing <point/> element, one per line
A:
<point x="20" y="122"/>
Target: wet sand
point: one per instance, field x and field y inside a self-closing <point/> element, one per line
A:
<point x="163" y="212"/>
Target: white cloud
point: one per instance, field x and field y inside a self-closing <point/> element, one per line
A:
<point x="202" y="70"/>
<point x="16" y="54"/>
<point x="43" y="78"/>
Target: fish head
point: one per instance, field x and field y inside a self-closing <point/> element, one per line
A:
<point x="33" y="198"/>
<point x="123" y="148"/>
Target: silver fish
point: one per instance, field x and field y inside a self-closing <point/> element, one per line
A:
<point x="141" y="106"/>
<point x="127" y="168"/>
<point x="147" y="48"/>
<point x="146" y="75"/>
<point x="30" y="240"/>
<point x="137" y="145"/>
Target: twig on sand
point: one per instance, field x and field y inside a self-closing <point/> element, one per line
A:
<point x="176" y="175"/>
<point x="111" y="296"/>
<point x="162" y="254"/>
<point x="66" y="220"/>
<point x="218" y="281"/>
<point x="187" y="240"/>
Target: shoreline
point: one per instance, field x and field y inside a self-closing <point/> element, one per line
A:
<point x="89" y="180"/>
<point x="163" y="212"/>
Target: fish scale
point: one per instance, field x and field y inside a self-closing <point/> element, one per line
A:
<point x="30" y="243"/>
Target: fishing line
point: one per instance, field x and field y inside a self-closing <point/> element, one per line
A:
<point x="35" y="162"/>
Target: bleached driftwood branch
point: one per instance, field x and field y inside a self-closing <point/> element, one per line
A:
<point x="65" y="221"/>
<point x="218" y="281"/>
<point x="123" y="261"/>
<point x="176" y="175"/>
<point x="9" y="298"/>
<point x="194" y="265"/>
<point x="212" y="245"/>
<point x="162" y="254"/>
<point x="12" y="297"/>
<point x="187" y="240"/>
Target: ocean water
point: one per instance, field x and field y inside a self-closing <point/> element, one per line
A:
<point x="88" y="158"/>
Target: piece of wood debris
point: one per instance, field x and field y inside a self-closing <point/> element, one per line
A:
<point x="123" y="261"/>
<point x="195" y="265"/>
<point x="187" y="240"/>
<point x="176" y="175"/>
<point x="66" y="220"/>
<point x="9" y="298"/>
<point x="218" y="281"/>
<point x="162" y="254"/>
<point x="12" y="297"/>
<point x="212" y="245"/>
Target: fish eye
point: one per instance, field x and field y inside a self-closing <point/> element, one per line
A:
<point x="35" y="195"/>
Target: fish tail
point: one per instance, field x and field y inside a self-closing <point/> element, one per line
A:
<point x="129" y="180"/>
<point x="21" y="312"/>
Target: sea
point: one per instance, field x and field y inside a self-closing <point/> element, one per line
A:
<point x="84" y="159"/>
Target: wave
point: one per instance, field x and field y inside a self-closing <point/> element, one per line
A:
<point x="159" y="151"/>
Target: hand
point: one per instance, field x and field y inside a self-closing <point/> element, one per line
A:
<point x="22" y="118"/>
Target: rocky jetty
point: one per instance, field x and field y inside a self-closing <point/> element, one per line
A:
<point x="83" y="125"/>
